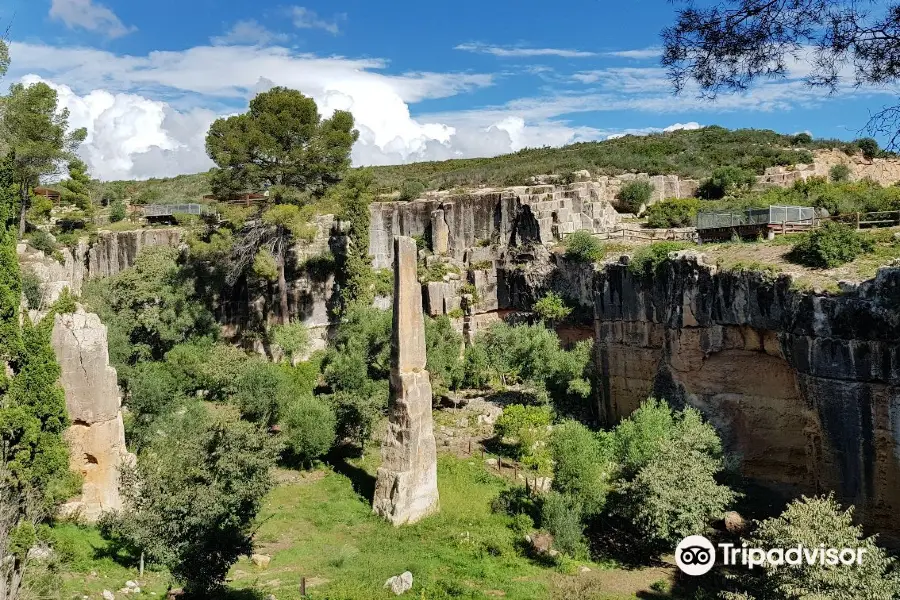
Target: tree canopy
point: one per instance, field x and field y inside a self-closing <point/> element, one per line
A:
<point x="281" y="141"/>
<point x="729" y="45"/>
<point x="39" y="134"/>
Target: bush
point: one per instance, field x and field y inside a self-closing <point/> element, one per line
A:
<point x="829" y="246"/>
<point x="308" y="428"/>
<point x="41" y="206"/>
<point x="191" y="502"/>
<point x="43" y="241"/>
<point x="673" y="213"/>
<point x="581" y="246"/>
<point x="839" y="173"/>
<point x="801" y="139"/>
<point x="580" y="468"/>
<point x="666" y="485"/>
<point x="411" y="189"/>
<point x="811" y="522"/>
<point x="648" y="259"/>
<point x="293" y="339"/>
<point x="551" y="308"/>
<point x="869" y="147"/>
<point x="33" y="289"/>
<point x="725" y="181"/>
<point x="526" y="429"/>
<point x="117" y="211"/>
<point x="635" y="194"/>
<point x="561" y="516"/>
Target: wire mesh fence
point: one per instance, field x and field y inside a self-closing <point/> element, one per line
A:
<point x="783" y="215"/>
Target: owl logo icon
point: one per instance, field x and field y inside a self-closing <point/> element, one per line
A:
<point x="695" y="555"/>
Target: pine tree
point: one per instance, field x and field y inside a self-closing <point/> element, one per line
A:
<point x="76" y="189"/>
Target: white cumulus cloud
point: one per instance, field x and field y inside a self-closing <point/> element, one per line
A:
<point x="251" y="32"/>
<point x="305" y="18"/>
<point x="518" y="52"/>
<point x="85" y="14"/>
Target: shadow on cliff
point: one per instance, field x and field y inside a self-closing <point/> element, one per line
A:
<point x="362" y="481"/>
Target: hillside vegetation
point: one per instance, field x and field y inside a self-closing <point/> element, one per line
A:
<point x="689" y="153"/>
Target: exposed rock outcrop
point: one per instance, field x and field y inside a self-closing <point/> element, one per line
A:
<point x="115" y="251"/>
<point x="456" y="224"/>
<point x="804" y="388"/>
<point x="97" y="436"/>
<point x="406" y="488"/>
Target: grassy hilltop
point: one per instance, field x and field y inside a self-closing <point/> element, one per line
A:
<point x="690" y="153"/>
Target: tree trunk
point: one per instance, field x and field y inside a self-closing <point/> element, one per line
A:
<point x="23" y="189"/>
<point x="282" y="286"/>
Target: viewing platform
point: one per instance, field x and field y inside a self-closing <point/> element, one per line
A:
<point x="754" y="222"/>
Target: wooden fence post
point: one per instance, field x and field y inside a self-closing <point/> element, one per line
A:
<point x="857" y="220"/>
<point x="303" y="586"/>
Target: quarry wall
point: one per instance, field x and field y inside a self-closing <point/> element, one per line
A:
<point x="803" y="389"/>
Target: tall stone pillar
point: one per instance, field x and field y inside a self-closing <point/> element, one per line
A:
<point x="406" y="487"/>
<point x="440" y="233"/>
<point x="96" y="437"/>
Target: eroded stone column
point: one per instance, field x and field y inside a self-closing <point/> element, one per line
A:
<point x="406" y="488"/>
<point x="96" y="437"/>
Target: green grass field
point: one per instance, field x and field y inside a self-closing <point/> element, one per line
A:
<point x="319" y="525"/>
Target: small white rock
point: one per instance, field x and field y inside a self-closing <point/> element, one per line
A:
<point x="108" y="595"/>
<point x="131" y="584"/>
<point x="400" y="584"/>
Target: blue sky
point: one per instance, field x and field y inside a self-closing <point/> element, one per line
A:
<point x="424" y="80"/>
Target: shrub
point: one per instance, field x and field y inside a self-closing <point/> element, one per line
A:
<point x="561" y="516"/>
<point x="801" y="139"/>
<point x="726" y="180"/>
<point x="308" y="428"/>
<point x="581" y="246"/>
<point x="526" y="428"/>
<point x="839" y="173"/>
<point x="648" y="259"/>
<point x="551" y="308"/>
<point x="635" y="194"/>
<point x="191" y="501"/>
<point x="673" y="213"/>
<point x="41" y="206"/>
<point x="811" y="522"/>
<point x="666" y="485"/>
<point x="293" y="339"/>
<point x="829" y="246"/>
<point x="411" y="189"/>
<point x="869" y="147"/>
<point x="117" y="211"/>
<point x="580" y="468"/>
<point x="33" y="289"/>
<point x="43" y="241"/>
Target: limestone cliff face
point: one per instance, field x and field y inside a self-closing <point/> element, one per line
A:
<point x="491" y="217"/>
<point x="805" y="389"/>
<point x="115" y="251"/>
<point x="97" y="436"/>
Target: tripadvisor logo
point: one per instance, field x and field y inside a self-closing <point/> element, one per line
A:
<point x="696" y="555"/>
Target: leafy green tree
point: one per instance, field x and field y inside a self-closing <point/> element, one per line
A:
<point x="581" y="246"/>
<point x="561" y="515"/>
<point x="38" y="133"/>
<point x="581" y="468"/>
<point x="192" y="501"/>
<point x="869" y="147"/>
<point x="551" y="308"/>
<point x="117" y="211"/>
<point x="725" y="181"/>
<point x="293" y="339"/>
<point x="10" y="282"/>
<point x="76" y="189"/>
<point x="308" y="427"/>
<point x="153" y="305"/>
<point x="839" y="173"/>
<point x="635" y="194"/>
<point x="666" y="487"/>
<point x="284" y="145"/>
<point x="443" y="348"/>
<point x="33" y="419"/>
<point x="811" y="522"/>
<point x="357" y="278"/>
<point x="673" y="213"/>
<point x="829" y="246"/>
<point x="526" y="429"/>
<point x="410" y="190"/>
